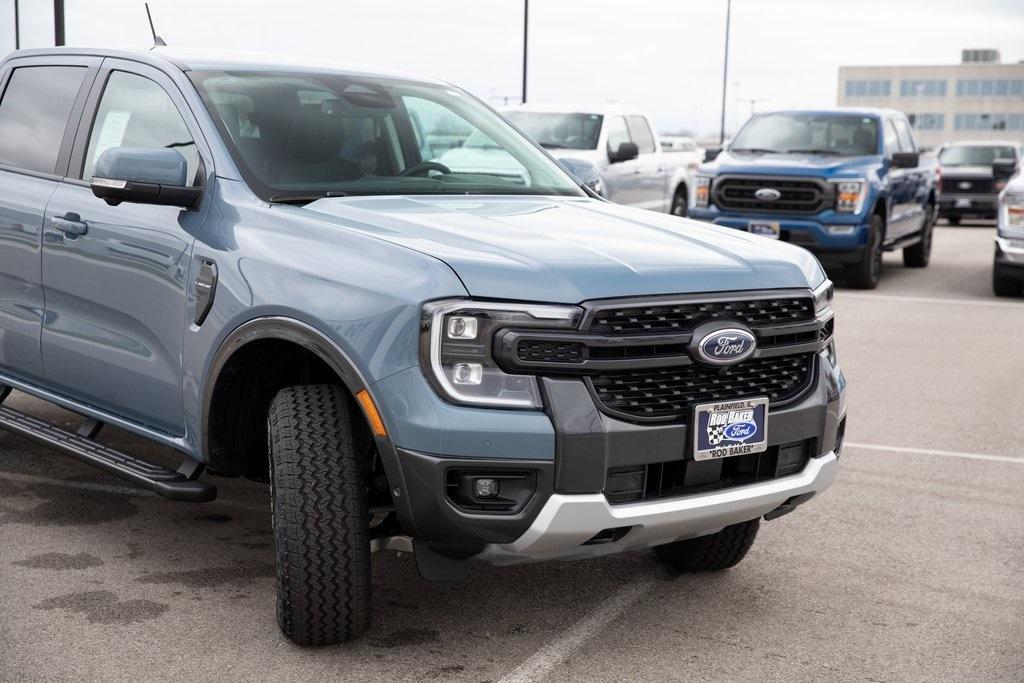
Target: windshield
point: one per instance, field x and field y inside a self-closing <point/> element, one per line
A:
<point x="297" y="137"/>
<point x="974" y="156"/>
<point x="559" y="131"/>
<point x="809" y="133"/>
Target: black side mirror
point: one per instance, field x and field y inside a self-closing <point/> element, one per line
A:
<point x="627" y="151"/>
<point x="144" y="176"/>
<point x="711" y="153"/>
<point x="584" y="172"/>
<point x="1003" y="168"/>
<point x="905" y="159"/>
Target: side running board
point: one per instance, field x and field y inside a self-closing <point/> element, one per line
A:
<point x="180" y="484"/>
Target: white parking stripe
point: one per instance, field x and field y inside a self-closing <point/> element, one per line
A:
<point x="930" y="451"/>
<point x="541" y="663"/>
<point x="930" y="300"/>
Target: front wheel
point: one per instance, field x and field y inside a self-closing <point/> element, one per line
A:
<point x="679" y="203"/>
<point x="319" y="516"/>
<point x="866" y="273"/>
<point x="711" y="553"/>
<point x="1005" y="286"/>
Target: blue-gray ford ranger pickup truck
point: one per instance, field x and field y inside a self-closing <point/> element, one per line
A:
<point x="263" y="265"/>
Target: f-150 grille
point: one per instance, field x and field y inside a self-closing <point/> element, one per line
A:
<point x="683" y="317"/>
<point x="968" y="185"/>
<point x="794" y="196"/>
<point x="667" y="393"/>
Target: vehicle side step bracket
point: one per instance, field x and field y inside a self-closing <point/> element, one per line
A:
<point x="178" y="485"/>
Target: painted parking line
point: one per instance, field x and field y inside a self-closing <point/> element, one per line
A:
<point x="544" y="661"/>
<point x="929" y="300"/>
<point x="931" y="451"/>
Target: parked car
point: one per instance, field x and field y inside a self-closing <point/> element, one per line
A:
<point x="251" y="260"/>
<point x="969" y="188"/>
<point x="679" y="143"/>
<point x="845" y="184"/>
<point x="1008" y="268"/>
<point x="620" y="142"/>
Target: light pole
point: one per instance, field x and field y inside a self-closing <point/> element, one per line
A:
<point x="725" y="70"/>
<point x="526" y="33"/>
<point x="17" y="37"/>
<point x="58" y="22"/>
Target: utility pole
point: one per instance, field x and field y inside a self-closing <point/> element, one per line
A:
<point x="58" y="22"/>
<point x="17" y="32"/>
<point x="526" y="33"/>
<point x="725" y="70"/>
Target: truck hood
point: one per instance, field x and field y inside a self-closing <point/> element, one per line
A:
<point x="818" y="165"/>
<point x="567" y="250"/>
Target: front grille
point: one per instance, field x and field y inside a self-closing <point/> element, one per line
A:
<point x="683" y="317"/>
<point x="796" y="196"/>
<point x="670" y="393"/>
<point x="637" y="483"/>
<point x="951" y="185"/>
<point x="542" y="350"/>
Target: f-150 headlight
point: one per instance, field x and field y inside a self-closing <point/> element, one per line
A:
<point x="1013" y="210"/>
<point x="850" y="195"/>
<point x="702" y="192"/>
<point x="457" y="339"/>
<point x="823" y="295"/>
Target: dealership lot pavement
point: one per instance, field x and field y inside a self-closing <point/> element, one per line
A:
<point x="909" y="568"/>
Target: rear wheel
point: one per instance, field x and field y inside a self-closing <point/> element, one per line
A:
<point x="319" y="516"/>
<point x="866" y="273"/>
<point x="918" y="255"/>
<point x="679" y="202"/>
<point x="711" y="553"/>
<point x="1003" y="285"/>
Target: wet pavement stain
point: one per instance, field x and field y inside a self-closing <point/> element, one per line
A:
<point x="104" y="607"/>
<point x="61" y="507"/>
<point x="61" y="561"/>
<point x="404" y="636"/>
<point x="212" y="577"/>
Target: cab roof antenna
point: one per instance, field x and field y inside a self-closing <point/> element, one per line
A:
<point x="157" y="40"/>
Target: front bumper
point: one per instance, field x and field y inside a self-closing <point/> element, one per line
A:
<point x="971" y="205"/>
<point x="567" y="522"/>
<point x="1009" y="258"/>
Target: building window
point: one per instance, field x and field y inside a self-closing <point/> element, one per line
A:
<point x="988" y="122"/>
<point x="922" y="88"/>
<point x="990" y="87"/>
<point x="925" y="121"/>
<point x="867" y="88"/>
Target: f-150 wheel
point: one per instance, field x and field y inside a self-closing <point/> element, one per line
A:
<point x="865" y="274"/>
<point x="1003" y="285"/>
<point x="710" y="553"/>
<point x="680" y="202"/>
<point x="320" y="517"/>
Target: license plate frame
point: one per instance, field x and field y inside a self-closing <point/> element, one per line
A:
<point x="770" y="229"/>
<point x="724" y="429"/>
<point x="962" y="203"/>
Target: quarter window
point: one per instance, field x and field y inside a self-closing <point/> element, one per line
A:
<point x="34" y="114"/>
<point x="640" y="131"/>
<point x="136" y="112"/>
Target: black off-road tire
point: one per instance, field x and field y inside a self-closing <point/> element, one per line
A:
<point x="711" y="553"/>
<point x="680" y="203"/>
<point x="918" y="255"/>
<point x="866" y="273"/>
<point x="1003" y="285"/>
<point x="320" y="517"/>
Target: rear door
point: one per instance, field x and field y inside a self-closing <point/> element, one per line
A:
<point x="41" y="99"/>
<point x="116" y="294"/>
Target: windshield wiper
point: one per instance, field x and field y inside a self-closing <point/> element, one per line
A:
<point x="303" y="198"/>
<point x="549" y="145"/>
<point x="813" y="151"/>
<point x="755" y="150"/>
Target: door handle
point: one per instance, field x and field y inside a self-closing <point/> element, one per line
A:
<point x="70" y="224"/>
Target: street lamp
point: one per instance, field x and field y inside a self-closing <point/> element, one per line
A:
<point x="526" y="32"/>
<point x="725" y="70"/>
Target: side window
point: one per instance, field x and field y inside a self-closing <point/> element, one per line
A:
<point x="617" y="132"/>
<point x="892" y="141"/>
<point x="136" y="112"/>
<point x="640" y="131"/>
<point x="34" y="113"/>
<point x="906" y="138"/>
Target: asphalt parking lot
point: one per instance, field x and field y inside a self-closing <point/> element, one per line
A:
<point x="909" y="568"/>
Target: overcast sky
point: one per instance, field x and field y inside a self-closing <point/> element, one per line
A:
<point x="664" y="55"/>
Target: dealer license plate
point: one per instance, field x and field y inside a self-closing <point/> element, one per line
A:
<point x="963" y="203"/>
<point x="764" y="229"/>
<point x="729" y="428"/>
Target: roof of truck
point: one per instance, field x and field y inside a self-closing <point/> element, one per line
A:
<point x="833" y="111"/>
<point x="190" y="59"/>
<point x="605" y="109"/>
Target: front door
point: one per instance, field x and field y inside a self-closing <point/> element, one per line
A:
<point x="115" y="278"/>
<point x="621" y="179"/>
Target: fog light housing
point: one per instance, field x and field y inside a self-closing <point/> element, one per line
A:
<point x="486" y="488"/>
<point x="483" y="490"/>
<point x="841" y="229"/>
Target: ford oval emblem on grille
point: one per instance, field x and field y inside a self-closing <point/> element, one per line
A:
<point x="964" y="185"/>
<point x="726" y="346"/>
<point x="767" y="194"/>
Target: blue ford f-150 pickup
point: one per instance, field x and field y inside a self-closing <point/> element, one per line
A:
<point x="845" y="184"/>
<point x="263" y="264"/>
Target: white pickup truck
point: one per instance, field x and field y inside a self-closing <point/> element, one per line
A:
<point x="620" y="141"/>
